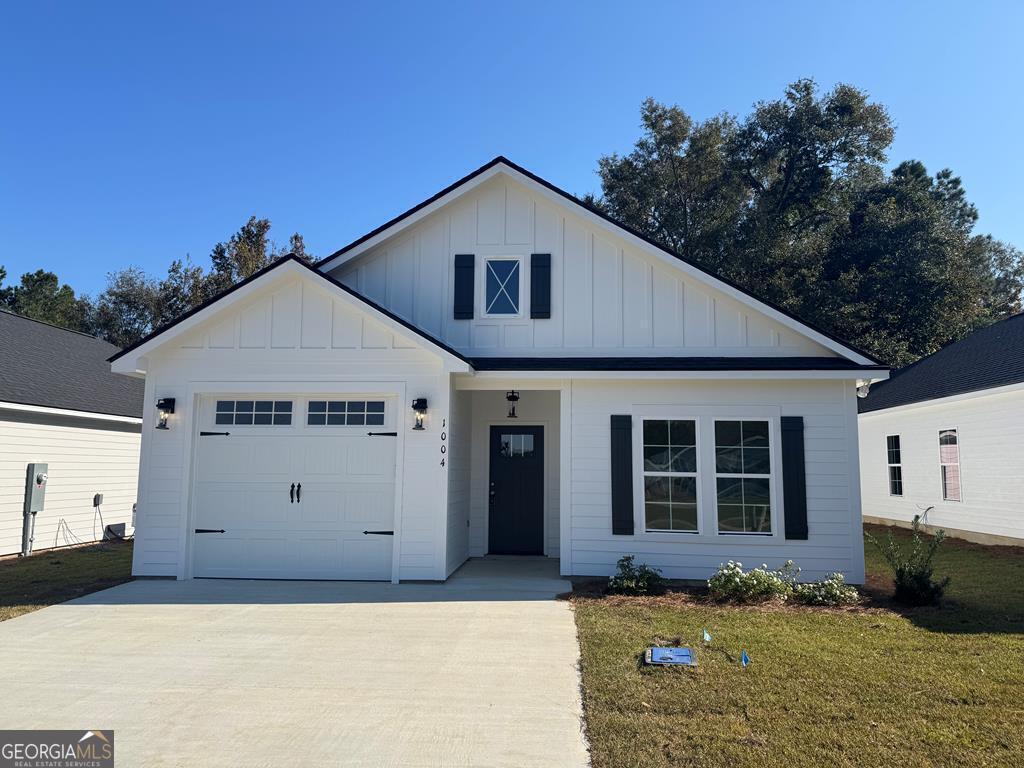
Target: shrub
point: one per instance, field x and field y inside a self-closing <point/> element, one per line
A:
<point x="731" y="584"/>
<point x="912" y="566"/>
<point x="832" y="590"/>
<point x="636" y="579"/>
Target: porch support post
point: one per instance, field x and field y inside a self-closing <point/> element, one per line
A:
<point x="565" y="479"/>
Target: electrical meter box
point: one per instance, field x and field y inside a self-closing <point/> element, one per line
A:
<point x="35" y="487"/>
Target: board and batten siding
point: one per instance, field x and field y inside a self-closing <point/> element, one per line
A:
<point x="85" y="457"/>
<point x="293" y="338"/>
<point x="607" y="296"/>
<point x="990" y="431"/>
<point x="833" y="509"/>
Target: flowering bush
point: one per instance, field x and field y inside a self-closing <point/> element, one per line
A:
<point x="832" y="590"/>
<point x="731" y="584"/>
<point x="636" y="579"/>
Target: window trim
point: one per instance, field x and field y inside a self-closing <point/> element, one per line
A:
<point x="520" y="260"/>
<point x="959" y="464"/>
<point x="696" y="475"/>
<point x="773" y="476"/>
<point x="889" y="465"/>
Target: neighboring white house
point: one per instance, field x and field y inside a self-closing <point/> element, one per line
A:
<point x="942" y="439"/>
<point x="352" y="420"/>
<point x="60" y="405"/>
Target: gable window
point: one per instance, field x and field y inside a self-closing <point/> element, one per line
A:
<point x="670" y="476"/>
<point x="949" y="464"/>
<point x="254" y="412"/>
<point x="743" y="476"/>
<point x="501" y="287"/>
<point x="339" y="413"/>
<point x="894" y="460"/>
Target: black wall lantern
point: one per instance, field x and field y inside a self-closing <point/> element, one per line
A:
<point x="165" y="405"/>
<point x="419" y="407"/>
<point x="513" y="398"/>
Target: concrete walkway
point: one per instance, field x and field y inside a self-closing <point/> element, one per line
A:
<point x="478" y="671"/>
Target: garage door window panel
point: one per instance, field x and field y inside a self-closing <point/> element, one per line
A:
<point x="260" y="413"/>
<point x="339" y="413"/>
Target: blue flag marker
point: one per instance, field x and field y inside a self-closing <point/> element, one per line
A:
<point x="707" y="637"/>
<point x="744" y="659"/>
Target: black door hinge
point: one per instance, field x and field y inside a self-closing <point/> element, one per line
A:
<point x="382" y="434"/>
<point x="379" y="533"/>
<point x="210" y="530"/>
<point x="208" y="434"/>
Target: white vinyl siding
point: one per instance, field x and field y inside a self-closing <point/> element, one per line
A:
<point x="830" y="438"/>
<point x="83" y="462"/>
<point x="989" y="428"/>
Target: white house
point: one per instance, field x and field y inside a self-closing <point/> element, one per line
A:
<point x="61" y="406"/>
<point x="352" y="420"/>
<point x="940" y="439"/>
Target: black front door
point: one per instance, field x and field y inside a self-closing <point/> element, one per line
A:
<point x="517" y="491"/>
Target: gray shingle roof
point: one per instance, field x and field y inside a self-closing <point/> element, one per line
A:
<point x="41" y="364"/>
<point x="988" y="358"/>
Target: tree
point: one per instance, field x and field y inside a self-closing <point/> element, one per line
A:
<point x="793" y="202"/>
<point x="185" y="287"/>
<point x="129" y="307"/>
<point x="41" y="296"/>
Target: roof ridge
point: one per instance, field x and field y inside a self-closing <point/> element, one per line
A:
<point x="53" y="325"/>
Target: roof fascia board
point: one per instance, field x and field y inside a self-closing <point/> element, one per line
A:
<point x="68" y="412"/>
<point x="406" y="220"/>
<point x="129" y="363"/>
<point x="630" y="375"/>
<point x="960" y="397"/>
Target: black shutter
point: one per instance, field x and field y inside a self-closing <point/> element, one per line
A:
<point x="464" y="286"/>
<point x="622" y="475"/>
<point x="794" y="478"/>
<point x="540" y="285"/>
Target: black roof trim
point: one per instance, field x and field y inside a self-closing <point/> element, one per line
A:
<point x="501" y="160"/>
<point x="257" y="275"/>
<point x="988" y="358"/>
<point x="669" y="364"/>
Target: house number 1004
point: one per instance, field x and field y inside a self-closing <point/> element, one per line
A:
<point x="444" y="442"/>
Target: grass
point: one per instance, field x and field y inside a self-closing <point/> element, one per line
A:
<point x="30" y="583"/>
<point x="870" y="686"/>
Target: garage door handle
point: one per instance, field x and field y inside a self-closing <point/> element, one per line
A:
<point x="209" y="530"/>
<point x="379" y="533"/>
<point x="298" y="493"/>
<point x="291" y="494"/>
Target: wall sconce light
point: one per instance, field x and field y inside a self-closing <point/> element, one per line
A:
<point x="513" y="398"/>
<point x="165" y="405"/>
<point x="419" y="406"/>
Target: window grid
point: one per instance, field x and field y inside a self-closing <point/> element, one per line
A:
<point x="341" y="413"/>
<point x="743" y="476"/>
<point x="501" y="287"/>
<point x="949" y="465"/>
<point x="893" y="456"/>
<point x="670" y="476"/>
<point x="257" y="413"/>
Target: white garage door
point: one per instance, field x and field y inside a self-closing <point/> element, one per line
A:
<point x="295" y="488"/>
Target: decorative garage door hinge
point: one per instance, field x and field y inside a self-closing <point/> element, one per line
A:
<point x="382" y="434"/>
<point x="379" y="533"/>
<point x="210" y="434"/>
<point x="210" y="530"/>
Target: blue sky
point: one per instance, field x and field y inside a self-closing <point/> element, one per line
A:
<point x="136" y="133"/>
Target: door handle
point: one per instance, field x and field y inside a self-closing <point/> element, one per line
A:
<point x="298" y="493"/>
<point x="291" y="494"/>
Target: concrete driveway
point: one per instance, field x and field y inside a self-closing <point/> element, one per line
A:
<point x="481" y="671"/>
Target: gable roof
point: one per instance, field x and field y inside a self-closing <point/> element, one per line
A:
<point x="988" y="358"/>
<point x="408" y="329"/>
<point x="502" y="163"/>
<point x="51" y="367"/>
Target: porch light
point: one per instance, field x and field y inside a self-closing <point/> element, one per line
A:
<point x="165" y="406"/>
<point x="513" y="398"/>
<point x="419" y="407"/>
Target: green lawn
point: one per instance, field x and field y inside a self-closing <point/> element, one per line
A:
<point x="872" y="686"/>
<point x="30" y="583"/>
